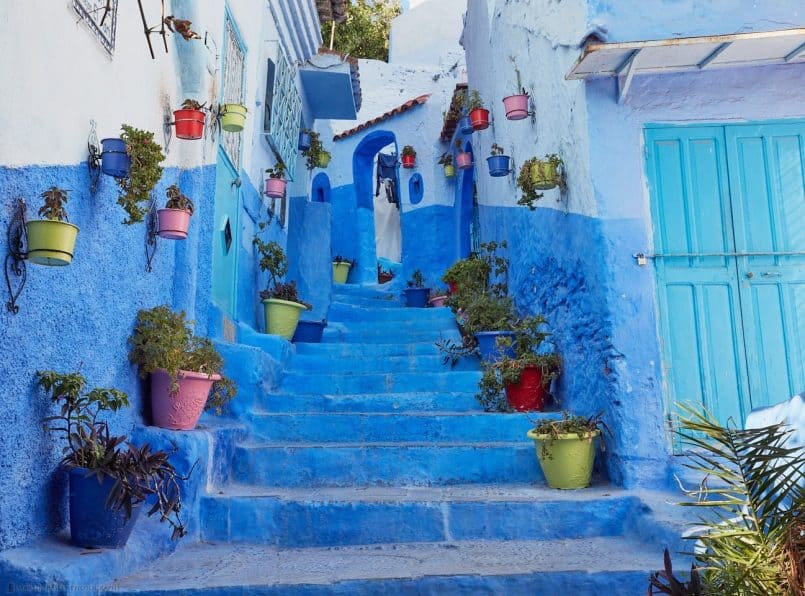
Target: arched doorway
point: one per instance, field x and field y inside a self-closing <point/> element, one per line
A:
<point x="466" y="208"/>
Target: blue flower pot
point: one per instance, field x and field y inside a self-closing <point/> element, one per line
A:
<point x="92" y="525"/>
<point x="115" y="161"/>
<point x="465" y="126"/>
<point x="309" y="332"/>
<point x="304" y="141"/>
<point x="416" y="297"/>
<point x="487" y="345"/>
<point x="498" y="165"/>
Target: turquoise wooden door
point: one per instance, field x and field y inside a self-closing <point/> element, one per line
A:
<point x="726" y="201"/>
<point x="226" y="234"/>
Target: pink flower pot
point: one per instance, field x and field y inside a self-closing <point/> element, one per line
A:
<point x="516" y="106"/>
<point x="463" y="160"/>
<point x="437" y="300"/>
<point x="479" y="118"/>
<point x="182" y="410"/>
<point x="275" y="188"/>
<point x="173" y="223"/>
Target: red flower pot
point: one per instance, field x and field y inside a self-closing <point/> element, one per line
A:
<point x="173" y="223"/>
<point x="408" y="161"/>
<point x="189" y="124"/>
<point x="182" y="410"/>
<point x="528" y="395"/>
<point x="479" y="118"/>
<point x="453" y="287"/>
<point x="516" y="106"/>
<point x="275" y="188"/>
<point x="463" y="160"/>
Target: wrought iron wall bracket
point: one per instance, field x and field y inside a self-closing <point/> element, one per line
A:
<point x="94" y="159"/>
<point x="151" y="228"/>
<point x="167" y="125"/>
<point x="14" y="268"/>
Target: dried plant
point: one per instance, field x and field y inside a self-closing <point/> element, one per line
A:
<point x="53" y="208"/>
<point x="177" y="200"/>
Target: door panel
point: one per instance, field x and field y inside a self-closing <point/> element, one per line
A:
<point x="225" y="236"/>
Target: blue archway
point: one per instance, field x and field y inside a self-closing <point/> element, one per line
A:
<point x="320" y="188"/>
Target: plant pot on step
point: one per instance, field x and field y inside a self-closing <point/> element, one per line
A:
<point x="189" y="124"/>
<point x="516" y="106"/>
<point x="233" y="117"/>
<point x="181" y="410"/>
<point x="489" y="348"/>
<point x="529" y="394"/>
<point x="115" y="160"/>
<point x="479" y="118"/>
<point x="463" y="160"/>
<point x="341" y="271"/>
<point x="416" y="297"/>
<point x="92" y="524"/>
<point x="282" y="316"/>
<point x="275" y="187"/>
<point x="437" y="301"/>
<point x="309" y="332"/>
<point x="51" y="242"/>
<point x="567" y="460"/>
<point x="499" y="165"/>
<point x="465" y="125"/>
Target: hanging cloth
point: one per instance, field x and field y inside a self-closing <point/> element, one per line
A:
<point x="387" y="170"/>
<point x="388" y="241"/>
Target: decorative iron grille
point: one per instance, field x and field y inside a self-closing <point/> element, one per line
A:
<point x="101" y="18"/>
<point x="234" y="63"/>
<point x="286" y="112"/>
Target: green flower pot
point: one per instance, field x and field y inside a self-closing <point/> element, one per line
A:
<point x="544" y="175"/>
<point x="233" y="117"/>
<point x="449" y="171"/>
<point x="567" y="461"/>
<point x="324" y="159"/>
<point x="282" y="316"/>
<point x="51" y="242"/>
<point x="340" y="272"/>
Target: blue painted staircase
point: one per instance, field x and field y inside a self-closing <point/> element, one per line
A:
<point x="373" y="470"/>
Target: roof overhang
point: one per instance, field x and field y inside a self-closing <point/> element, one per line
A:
<point x="331" y="85"/>
<point x="688" y="54"/>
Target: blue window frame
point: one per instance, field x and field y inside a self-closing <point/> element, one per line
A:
<point x="283" y="110"/>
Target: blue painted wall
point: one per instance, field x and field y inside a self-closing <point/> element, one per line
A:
<point x="309" y="258"/>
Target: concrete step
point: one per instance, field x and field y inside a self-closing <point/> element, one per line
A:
<point x="348" y="311"/>
<point x="349" y="516"/>
<point x="355" y="427"/>
<point x="581" y="567"/>
<point x="400" y="329"/>
<point x="340" y="384"/>
<point x="293" y="464"/>
<point x="309" y="363"/>
<point x="366" y="291"/>
<point x="369" y="350"/>
<point x="375" y="402"/>
<point x="386" y="334"/>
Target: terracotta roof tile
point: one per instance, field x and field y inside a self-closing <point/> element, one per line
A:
<point x="411" y="103"/>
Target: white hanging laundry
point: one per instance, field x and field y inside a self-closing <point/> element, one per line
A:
<point x="388" y="240"/>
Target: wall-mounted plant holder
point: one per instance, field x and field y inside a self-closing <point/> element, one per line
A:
<point x="14" y="268"/>
<point x="94" y="158"/>
<point x="151" y="233"/>
<point x="167" y="126"/>
<point x="499" y="165"/>
<point x="233" y="117"/>
<point x="115" y="160"/>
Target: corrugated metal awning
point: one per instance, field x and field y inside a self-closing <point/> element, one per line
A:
<point x="626" y="59"/>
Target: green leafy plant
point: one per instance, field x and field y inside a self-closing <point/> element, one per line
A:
<point x="53" y="207"/>
<point x="135" y="189"/>
<point x="408" y="151"/>
<point x="446" y="159"/>
<point x="177" y="200"/>
<point x="192" y="104"/>
<point x="583" y="427"/>
<point x="417" y="280"/>
<point x="278" y="171"/>
<point x="274" y="262"/>
<point x="163" y="339"/>
<point x="313" y="152"/>
<point x="475" y="102"/>
<point x="138" y="472"/>
<point x="751" y="532"/>
<point x="496" y="150"/>
<point x="528" y="187"/>
<point x="365" y="32"/>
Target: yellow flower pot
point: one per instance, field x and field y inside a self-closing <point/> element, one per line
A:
<point x="282" y="316"/>
<point x="544" y="175"/>
<point x="233" y="117"/>
<point x="51" y="242"/>
<point x="340" y="272"/>
<point x="566" y="461"/>
<point x="324" y="159"/>
<point x="449" y="171"/>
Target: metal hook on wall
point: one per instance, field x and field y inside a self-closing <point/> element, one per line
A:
<point x="94" y="159"/>
<point x="14" y="268"/>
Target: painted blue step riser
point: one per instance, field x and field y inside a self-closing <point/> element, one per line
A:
<point x="379" y="350"/>
<point x="355" y="428"/>
<point x="360" y="290"/>
<point x="325" y="365"/>
<point x="429" y="402"/>
<point x="345" y="312"/>
<point x="384" y="336"/>
<point x="386" y="466"/>
<point x="313" y="523"/>
<point x="371" y="301"/>
<point x="305" y="383"/>
<point x="571" y="583"/>
<point x="399" y="329"/>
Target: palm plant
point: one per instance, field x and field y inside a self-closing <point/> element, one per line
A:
<point x="751" y="540"/>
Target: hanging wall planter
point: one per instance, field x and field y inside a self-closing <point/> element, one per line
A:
<point x="323" y="159"/>
<point x="516" y="106"/>
<point x="115" y="160"/>
<point x="276" y="183"/>
<point x="189" y="120"/>
<point x="233" y="117"/>
<point x="499" y="164"/>
<point x="51" y="240"/>
<point x="545" y="172"/>
<point x="446" y="160"/>
<point x="463" y="160"/>
<point x="174" y="219"/>
<point x="408" y="157"/>
<point x="304" y="141"/>
<point x="479" y="116"/>
<point x="465" y="125"/>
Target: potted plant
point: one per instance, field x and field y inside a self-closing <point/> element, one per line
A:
<point x="233" y="117"/>
<point x="341" y="266"/>
<point x="479" y="115"/>
<point x="115" y="160"/>
<point x="566" y="449"/>
<point x="416" y="294"/>
<point x="108" y="484"/>
<point x="408" y="157"/>
<point x="281" y="303"/>
<point x="526" y="183"/>
<point x="446" y="160"/>
<point x="144" y="173"/>
<point x="51" y="240"/>
<point x="309" y="331"/>
<point x="174" y="219"/>
<point x="463" y="158"/>
<point x="316" y="156"/>
<point x="276" y="183"/>
<point x="545" y="173"/>
<point x="498" y="163"/>
<point x="185" y="370"/>
<point x="490" y="318"/>
<point x="304" y="139"/>
<point x="516" y="105"/>
<point x="524" y="372"/>
<point x="189" y="120"/>
<point x="438" y="296"/>
<point x="383" y="276"/>
<point x="460" y="101"/>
